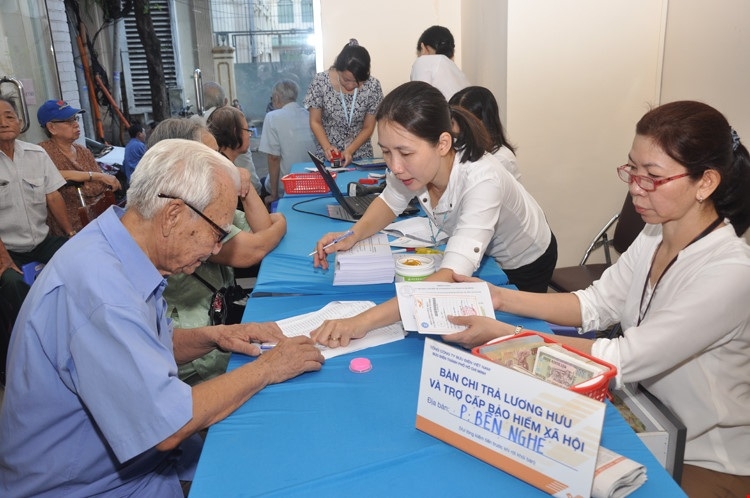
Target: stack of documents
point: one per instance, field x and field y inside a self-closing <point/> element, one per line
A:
<point x="369" y="262"/>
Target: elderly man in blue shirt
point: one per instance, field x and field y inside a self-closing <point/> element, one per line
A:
<point x="93" y="404"/>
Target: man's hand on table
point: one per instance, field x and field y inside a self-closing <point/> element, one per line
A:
<point x="245" y="337"/>
<point x="291" y="357"/>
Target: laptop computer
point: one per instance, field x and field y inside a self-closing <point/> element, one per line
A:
<point x="354" y="206"/>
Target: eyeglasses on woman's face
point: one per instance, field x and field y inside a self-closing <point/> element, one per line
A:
<point x="221" y="234"/>
<point x="647" y="183"/>
<point x="71" y="121"/>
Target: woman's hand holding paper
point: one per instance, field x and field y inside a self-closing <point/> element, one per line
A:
<point x="479" y="330"/>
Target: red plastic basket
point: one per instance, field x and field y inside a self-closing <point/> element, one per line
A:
<point x="305" y="183"/>
<point x="598" y="390"/>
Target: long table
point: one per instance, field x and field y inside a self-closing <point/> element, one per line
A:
<point x="288" y="268"/>
<point x="335" y="433"/>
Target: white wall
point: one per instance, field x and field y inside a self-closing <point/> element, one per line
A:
<point x="571" y="77"/>
<point x="578" y="80"/>
<point x="389" y="30"/>
<point x="708" y="59"/>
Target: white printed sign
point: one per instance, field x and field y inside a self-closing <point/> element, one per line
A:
<point x="545" y="435"/>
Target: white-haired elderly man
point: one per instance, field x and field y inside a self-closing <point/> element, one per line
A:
<point x="93" y="404"/>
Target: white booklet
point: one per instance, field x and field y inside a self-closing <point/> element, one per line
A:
<point x="425" y="306"/>
<point x="307" y="322"/>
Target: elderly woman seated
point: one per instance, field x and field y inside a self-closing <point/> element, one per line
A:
<point x="75" y="162"/>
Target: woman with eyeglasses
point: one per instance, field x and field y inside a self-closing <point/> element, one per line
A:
<point x="76" y="163"/>
<point x="230" y="128"/>
<point x="440" y="155"/>
<point x="342" y="102"/>
<point x="680" y="291"/>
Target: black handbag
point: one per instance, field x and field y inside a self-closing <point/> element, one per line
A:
<point x="224" y="308"/>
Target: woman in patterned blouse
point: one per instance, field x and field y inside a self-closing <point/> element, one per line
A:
<point x="75" y="162"/>
<point x="342" y="102"/>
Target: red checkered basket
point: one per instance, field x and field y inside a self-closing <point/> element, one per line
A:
<point x="305" y="183"/>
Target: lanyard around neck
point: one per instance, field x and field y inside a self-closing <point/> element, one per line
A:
<point x="641" y="314"/>
<point x="348" y="116"/>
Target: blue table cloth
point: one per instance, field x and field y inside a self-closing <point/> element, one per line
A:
<point x="337" y="433"/>
<point x="288" y="268"/>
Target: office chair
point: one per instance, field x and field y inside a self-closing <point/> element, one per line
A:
<point x="568" y="279"/>
<point x="628" y="224"/>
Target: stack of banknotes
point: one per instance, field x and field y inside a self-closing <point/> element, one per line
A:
<point x="548" y="361"/>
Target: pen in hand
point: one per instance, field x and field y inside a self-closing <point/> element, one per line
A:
<point x="334" y="241"/>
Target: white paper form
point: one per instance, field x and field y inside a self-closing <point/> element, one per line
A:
<point x="425" y="306"/>
<point x="306" y="323"/>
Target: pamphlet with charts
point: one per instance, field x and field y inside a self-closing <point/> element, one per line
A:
<point x="425" y="306"/>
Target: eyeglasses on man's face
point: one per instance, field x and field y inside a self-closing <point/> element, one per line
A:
<point x="645" y="182"/>
<point x="222" y="235"/>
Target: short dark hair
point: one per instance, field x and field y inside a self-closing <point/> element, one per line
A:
<point x="440" y="39"/>
<point x="355" y="59"/>
<point x="135" y="129"/>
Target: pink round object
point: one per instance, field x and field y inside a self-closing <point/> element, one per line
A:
<point x="360" y="365"/>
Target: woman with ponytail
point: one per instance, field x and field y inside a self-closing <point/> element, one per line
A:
<point x="439" y="154"/>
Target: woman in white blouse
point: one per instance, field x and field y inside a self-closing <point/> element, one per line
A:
<point x="434" y="64"/>
<point x="465" y="192"/>
<point x="680" y="291"/>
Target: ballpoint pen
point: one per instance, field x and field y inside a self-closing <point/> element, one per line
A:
<point x="334" y="241"/>
<point x="264" y="346"/>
